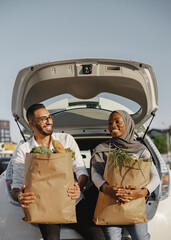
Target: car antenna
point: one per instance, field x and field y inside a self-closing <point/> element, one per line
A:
<point x="16" y="119"/>
<point x="153" y="115"/>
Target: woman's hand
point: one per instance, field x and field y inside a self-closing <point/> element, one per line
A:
<point x="74" y="191"/>
<point x="110" y="190"/>
<point x="124" y="194"/>
<point x="129" y="193"/>
<point x="25" y="199"/>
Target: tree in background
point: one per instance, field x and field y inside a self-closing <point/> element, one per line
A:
<point x="161" y="143"/>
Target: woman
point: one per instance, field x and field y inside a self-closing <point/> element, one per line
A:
<point x="121" y="128"/>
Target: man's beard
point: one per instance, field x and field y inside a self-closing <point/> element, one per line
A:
<point x="41" y="131"/>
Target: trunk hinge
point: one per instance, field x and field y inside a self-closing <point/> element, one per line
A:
<point x="153" y="115"/>
<point x="16" y="119"/>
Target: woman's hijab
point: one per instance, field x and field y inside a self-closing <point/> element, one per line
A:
<point x="126" y="141"/>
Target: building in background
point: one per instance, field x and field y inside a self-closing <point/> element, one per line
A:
<point x="5" y="131"/>
<point x="6" y="146"/>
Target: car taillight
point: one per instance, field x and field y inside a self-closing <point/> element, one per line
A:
<point x="164" y="190"/>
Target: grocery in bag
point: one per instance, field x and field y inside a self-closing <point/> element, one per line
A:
<point x="48" y="176"/>
<point x="122" y="172"/>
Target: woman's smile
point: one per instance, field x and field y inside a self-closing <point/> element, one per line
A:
<point x="116" y="125"/>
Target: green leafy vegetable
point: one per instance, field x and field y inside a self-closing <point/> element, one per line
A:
<point x="69" y="150"/>
<point x="122" y="157"/>
<point x="41" y="149"/>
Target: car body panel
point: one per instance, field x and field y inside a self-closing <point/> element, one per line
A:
<point x="133" y="80"/>
<point x="159" y="227"/>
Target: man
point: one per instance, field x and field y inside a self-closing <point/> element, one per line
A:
<point x="41" y="123"/>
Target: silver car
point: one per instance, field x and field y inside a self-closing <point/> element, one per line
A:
<point x="81" y="94"/>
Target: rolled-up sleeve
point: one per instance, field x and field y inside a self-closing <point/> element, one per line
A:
<point x="18" y="162"/>
<point x="77" y="163"/>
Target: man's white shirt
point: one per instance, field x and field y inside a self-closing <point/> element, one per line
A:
<point x="18" y="159"/>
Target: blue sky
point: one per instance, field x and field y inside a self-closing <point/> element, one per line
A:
<point x="37" y="31"/>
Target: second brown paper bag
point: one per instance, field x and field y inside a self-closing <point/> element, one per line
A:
<point x="108" y="211"/>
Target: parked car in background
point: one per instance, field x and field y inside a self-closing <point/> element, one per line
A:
<point x="81" y="95"/>
<point x="1" y="167"/>
<point x="6" y="151"/>
<point x="4" y="160"/>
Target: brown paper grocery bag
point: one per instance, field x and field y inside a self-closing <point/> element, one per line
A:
<point x="48" y="176"/>
<point x="108" y="211"/>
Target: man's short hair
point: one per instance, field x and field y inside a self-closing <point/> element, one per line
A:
<point x="32" y="109"/>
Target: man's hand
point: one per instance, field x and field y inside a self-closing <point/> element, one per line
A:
<point x="25" y="199"/>
<point x="74" y="191"/>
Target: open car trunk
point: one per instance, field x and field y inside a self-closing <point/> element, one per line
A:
<point x="85" y="79"/>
